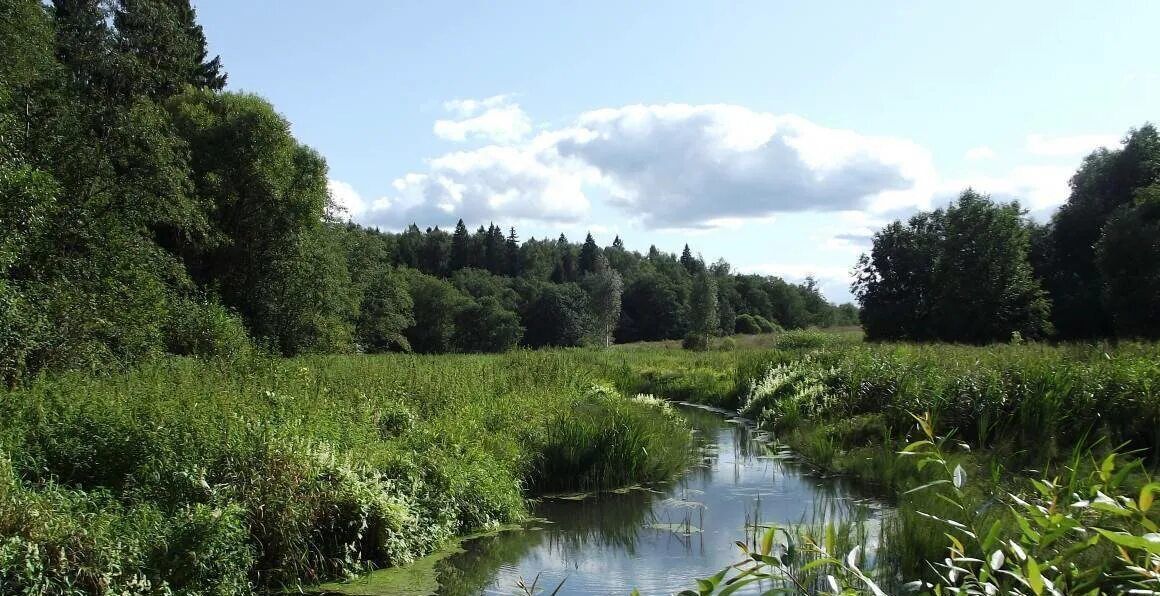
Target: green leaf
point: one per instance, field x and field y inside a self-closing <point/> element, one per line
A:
<point x="819" y="563"/>
<point x="993" y="534"/>
<point x="1107" y="467"/>
<point x="1147" y="495"/>
<point x="767" y="540"/>
<point x="733" y="587"/>
<point x="926" y="486"/>
<point x="915" y="445"/>
<point x="1034" y="577"/>
<point x="1130" y="541"/>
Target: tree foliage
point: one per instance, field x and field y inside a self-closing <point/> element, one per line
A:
<point x="147" y="209"/>
<point x="957" y="274"/>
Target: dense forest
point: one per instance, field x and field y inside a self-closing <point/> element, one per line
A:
<point x="979" y="271"/>
<point x="146" y="210"/>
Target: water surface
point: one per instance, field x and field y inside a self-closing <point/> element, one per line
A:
<point x="658" y="538"/>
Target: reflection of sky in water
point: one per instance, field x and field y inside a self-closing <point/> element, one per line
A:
<point x="610" y="543"/>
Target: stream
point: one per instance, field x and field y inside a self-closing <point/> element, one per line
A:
<point x="657" y="539"/>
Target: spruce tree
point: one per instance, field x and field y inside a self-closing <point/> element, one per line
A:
<point x="512" y="248"/>
<point x="687" y="260"/>
<point x="589" y="256"/>
<point x="460" y="247"/>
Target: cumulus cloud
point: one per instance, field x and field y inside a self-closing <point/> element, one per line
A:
<point x="346" y="201"/>
<point x="663" y="166"/>
<point x="1069" y="146"/>
<point x="980" y="153"/>
<point x="679" y="165"/>
<point x="1039" y="188"/>
<point x="493" y="182"/>
<point x="496" y="119"/>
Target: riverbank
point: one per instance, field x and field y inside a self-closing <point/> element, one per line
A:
<point x="243" y="476"/>
<point x="214" y="477"/>
<point x="1012" y="424"/>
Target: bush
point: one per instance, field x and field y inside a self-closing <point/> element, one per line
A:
<point x="766" y="325"/>
<point x="206" y="329"/>
<point x="698" y="342"/>
<point x="727" y="344"/>
<point x="747" y="324"/>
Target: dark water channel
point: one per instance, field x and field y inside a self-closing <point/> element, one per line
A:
<point x="657" y="539"/>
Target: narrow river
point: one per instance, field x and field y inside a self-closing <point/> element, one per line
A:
<point x="657" y="539"/>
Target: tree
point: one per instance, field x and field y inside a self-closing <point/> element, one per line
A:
<point x="434" y="253"/>
<point x="604" y="288"/>
<point x="494" y="253"/>
<point x="565" y="270"/>
<point x="687" y="260"/>
<point x="303" y="301"/>
<point x="385" y="312"/>
<point x="486" y="326"/>
<point x="557" y="317"/>
<point x="1128" y="257"/>
<point x="590" y="257"/>
<point x="1107" y="180"/>
<point x="895" y="283"/>
<point x="165" y="46"/>
<point x="960" y="274"/>
<point x="984" y="286"/>
<point x="265" y="195"/>
<point x="651" y="309"/>
<point x="480" y="284"/>
<point x="436" y="306"/>
<point x="514" y="262"/>
<point x="460" y="248"/>
<point x="703" y="305"/>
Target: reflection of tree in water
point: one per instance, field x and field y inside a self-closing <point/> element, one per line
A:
<point x="469" y="572"/>
<point x="607" y="520"/>
<point x="638" y="520"/>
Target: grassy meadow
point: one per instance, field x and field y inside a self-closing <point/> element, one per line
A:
<point x="192" y="476"/>
<point x="202" y="477"/>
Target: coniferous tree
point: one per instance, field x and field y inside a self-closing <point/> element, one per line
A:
<point x="589" y="256"/>
<point x="460" y="247"/>
<point x="513" y="257"/>
<point x="687" y="260"/>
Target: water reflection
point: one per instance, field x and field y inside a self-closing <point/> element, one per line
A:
<point x="657" y="538"/>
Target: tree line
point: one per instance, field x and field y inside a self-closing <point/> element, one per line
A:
<point x="146" y="210"/>
<point x="978" y="270"/>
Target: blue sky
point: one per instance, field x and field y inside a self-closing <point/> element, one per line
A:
<point x="777" y="135"/>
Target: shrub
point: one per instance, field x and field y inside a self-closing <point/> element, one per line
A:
<point x="727" y="344"/>
<point x="206" y="329"/>
<point x="766" y="325"/>
<point x="747" y="324"/>
<point x="698" y="342"/>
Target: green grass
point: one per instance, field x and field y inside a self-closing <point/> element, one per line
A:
<point x="214" y="478"/>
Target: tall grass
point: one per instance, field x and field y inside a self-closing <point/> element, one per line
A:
<point x="199" y="477"/>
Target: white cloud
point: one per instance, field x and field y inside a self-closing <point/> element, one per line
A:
<point x="679" y="165"/>
<point x="507" y="183"/>
<point x="465" y="108"/>
<point x="980" y="153"/>
<point x="670" y="166"/>
<point x="1037" y="187"/>
<point x="495" y="119"/>
<point x="834" y="281"/>
<point x="798" y="271"/>
<point x="1069" y="146"/>
<point x="349" y="203"/>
